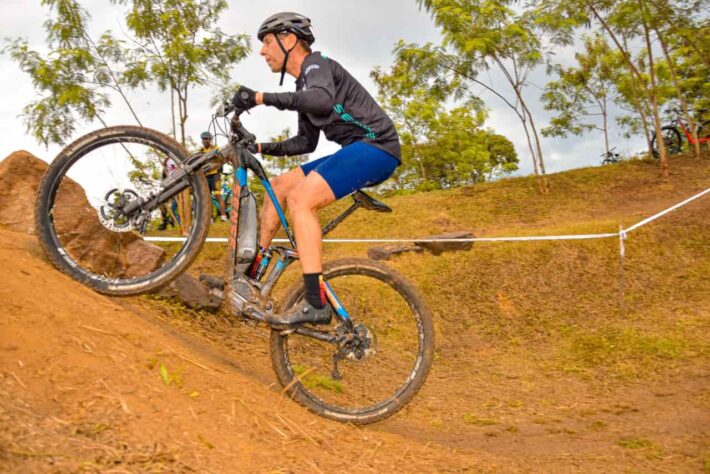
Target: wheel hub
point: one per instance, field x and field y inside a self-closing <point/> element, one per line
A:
<point x="111" y="210"/>
<point x="358" y="345"/>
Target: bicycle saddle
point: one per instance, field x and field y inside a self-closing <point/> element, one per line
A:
<point x="370" y="203"/>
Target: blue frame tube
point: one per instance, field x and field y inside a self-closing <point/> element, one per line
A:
<point x="279" y="210"/>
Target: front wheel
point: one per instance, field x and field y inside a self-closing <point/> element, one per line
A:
<point x="79" y="218"/>
<point x="671" y="140"/>
<point x="380" y="374"/>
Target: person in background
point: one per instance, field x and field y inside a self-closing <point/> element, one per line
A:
<point x="213" y="177"/>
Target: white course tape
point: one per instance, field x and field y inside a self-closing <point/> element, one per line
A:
<point x="622" y="233"/>
<point x="666" y="211"/>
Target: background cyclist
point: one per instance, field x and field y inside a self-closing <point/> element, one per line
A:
<point x="213" y="177"/>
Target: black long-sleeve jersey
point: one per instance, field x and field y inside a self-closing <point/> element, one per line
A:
<point x="328" y="98"/>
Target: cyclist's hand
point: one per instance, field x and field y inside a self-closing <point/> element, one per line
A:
<point x="253" y="147"/>
<point x="244" y="99"/>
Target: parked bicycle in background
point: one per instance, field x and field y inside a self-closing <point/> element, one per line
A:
<point x="610" y="157"/>
<point x="672" y="138"/>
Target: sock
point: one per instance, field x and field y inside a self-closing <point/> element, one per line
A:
<point x="315" y="289"/>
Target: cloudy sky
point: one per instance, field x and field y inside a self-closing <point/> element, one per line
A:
<point x="360" y="35"/>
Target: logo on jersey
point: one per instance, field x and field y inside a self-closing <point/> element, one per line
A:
<point x="310" y="68"/>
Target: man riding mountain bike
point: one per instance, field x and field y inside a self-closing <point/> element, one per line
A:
<point x="327" y="98"/>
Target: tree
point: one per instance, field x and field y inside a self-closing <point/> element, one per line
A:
<point x="624" y="22"/>
<point x="670" y="43"/>
<point x="440" y="148"/>
<point x="74" y="78"/>
<point x="179" y="47"/>
<point x="281" y="164"/>
<point x="491" y="34"/>
<point x="582" y="93"/>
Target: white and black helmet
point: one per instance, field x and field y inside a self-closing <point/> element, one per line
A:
<point x="288" y="22"/>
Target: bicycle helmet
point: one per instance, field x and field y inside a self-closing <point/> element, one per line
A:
<point x="287" y="22"/>
<point x="206" y="135"/>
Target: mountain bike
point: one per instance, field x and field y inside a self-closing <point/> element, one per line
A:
<point x="610" y="157"/>
<point x="672" y="137"/>
<point x="363" y="367"/>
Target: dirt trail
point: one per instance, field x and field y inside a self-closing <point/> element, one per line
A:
<point x="80" y="387"/>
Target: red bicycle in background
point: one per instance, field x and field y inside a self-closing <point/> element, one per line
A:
<point x="672" y="138"/>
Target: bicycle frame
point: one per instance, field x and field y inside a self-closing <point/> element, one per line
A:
<point x="243" y="161"/>
<point x="246" y="161"/>
<point x="688" y="135"/>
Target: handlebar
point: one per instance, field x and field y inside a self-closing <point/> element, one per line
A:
<point x="243" y="135"/>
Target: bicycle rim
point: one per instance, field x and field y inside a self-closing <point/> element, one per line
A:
<point x="85" y="237"/>
<point x="382" y="381"/>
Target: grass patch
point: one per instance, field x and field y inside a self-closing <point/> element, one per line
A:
<point x="472" y="419"/>
<point x="170" y="378"/>
<point x="635" y="443"/>
<point x="624" y="351"/>
<point x="317" y="381"/>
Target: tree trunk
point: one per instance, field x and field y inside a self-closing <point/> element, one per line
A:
<point x="543" y="175"/>
<point x="665" y="171"/>
<point x="606" y="131"/>
<point x="172" y="113"/>
<point x="184" y="198"/>
<point x="542" y="183"/>
<point x="643" y="114"/>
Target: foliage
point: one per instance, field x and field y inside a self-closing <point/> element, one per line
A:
<point x="179" y="47"/>
<point x="176" y="47"/>
<point x="581" y="93"/>
<point x="72" y="78"/>
<point x="627" y="23"/>
<point x="484" y="34"/>
<point x="441" y="148"/>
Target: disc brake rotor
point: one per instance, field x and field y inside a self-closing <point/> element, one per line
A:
<point x="111" y="210"/>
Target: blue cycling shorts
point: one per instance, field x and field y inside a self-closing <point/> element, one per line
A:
<point x="355" y="166"/>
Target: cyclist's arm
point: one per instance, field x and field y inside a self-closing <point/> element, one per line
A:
<point x="317" y="96"/>
<point x="304" y="142"/>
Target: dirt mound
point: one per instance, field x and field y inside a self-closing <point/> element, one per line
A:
<point x="81" y="233"/>
<point x="20" y="174"/>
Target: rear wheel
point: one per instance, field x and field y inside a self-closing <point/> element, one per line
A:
<point x="79" y="216"/>
<point x="381" y="368"/>
<point x="671" y="140"/>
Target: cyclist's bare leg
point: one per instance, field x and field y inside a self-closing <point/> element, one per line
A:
<point x="304" y="200"/>
<point x="269" y="219"/>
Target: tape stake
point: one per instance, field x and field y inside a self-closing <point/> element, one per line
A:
<point x="622" y="278"/>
